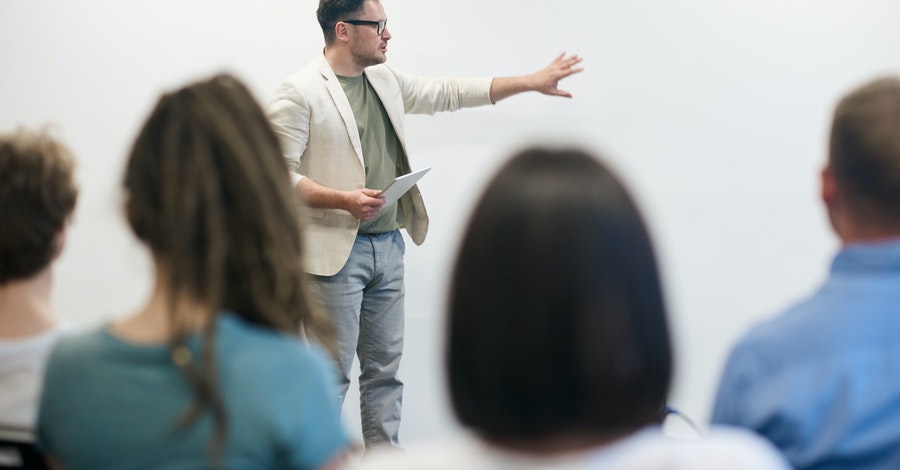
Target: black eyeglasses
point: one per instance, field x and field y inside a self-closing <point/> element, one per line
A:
<point x="379" y="25"/>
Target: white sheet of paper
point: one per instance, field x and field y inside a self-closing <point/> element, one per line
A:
<point x="401" y="185"/>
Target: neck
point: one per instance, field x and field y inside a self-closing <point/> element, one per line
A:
<point x="866" y="240"/>
<point x="156" y="322"/>
<point x="341" y="62"/>
<point x="856" y="223"/>
<point x="853" y="231"/>
<point x="25" y="306"/>
<point x="556" y="445"/>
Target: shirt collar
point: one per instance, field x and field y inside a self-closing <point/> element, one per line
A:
<point x="880" y="256"/>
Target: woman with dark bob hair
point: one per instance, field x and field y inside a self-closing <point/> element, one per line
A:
<point x="210" y="372"/>
<point x="558" y="349"/>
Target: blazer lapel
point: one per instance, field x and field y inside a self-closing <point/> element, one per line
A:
<point x="387" y="93"/>
<point x="333" y="85"/>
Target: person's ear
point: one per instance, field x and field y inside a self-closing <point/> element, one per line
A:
<point x="60" y="240"/>
<point x="831" y="198"/>
<point x="128" y="212"/>
<point x="341" y="32"/>
<point x="129" y="217"/>
<point x="829" y="189"/>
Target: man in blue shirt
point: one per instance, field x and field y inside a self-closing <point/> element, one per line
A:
<point x="822" y="381"/>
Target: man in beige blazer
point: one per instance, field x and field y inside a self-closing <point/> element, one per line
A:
<point x="340" y="122"/>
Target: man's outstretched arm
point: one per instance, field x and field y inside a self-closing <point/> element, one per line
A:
<point x="545" y="80"/>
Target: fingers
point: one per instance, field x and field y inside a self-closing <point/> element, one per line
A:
<point x="368" y="212"/>
<point x="371" y="207"/>
<point x="557" y="92"/>
<point x="563" y="73"/>
<point x="560" y="68"/>
<point x="568" y="65"/>
<point x="367" y="203"/>
<point x="570" y="61"/>
<point x="565" y="67"/>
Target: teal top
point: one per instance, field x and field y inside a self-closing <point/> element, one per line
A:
<point x="115" y="405"/>
<point x="380" y="144"/>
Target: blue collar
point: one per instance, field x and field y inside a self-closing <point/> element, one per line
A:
<point x="872" y="257"/>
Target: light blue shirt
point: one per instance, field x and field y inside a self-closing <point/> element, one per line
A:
<point x="822" y="381"/>
<point x="108" y="404"/>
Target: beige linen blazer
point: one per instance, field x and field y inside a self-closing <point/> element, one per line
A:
<point x="315" y="125"/>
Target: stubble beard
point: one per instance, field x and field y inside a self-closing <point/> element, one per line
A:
<point x="367" y="59"/>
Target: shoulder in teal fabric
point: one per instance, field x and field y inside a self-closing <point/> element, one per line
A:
<point x="111" y="404"/>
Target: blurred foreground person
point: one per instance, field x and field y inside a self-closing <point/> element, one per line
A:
<point x="37" y="198"/>
<point x="210" y="372"/>
<point x="558" y="348"/>
<point x="820" y="380"/>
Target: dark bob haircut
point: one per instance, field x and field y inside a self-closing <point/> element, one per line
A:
<point x="557" y="325"/>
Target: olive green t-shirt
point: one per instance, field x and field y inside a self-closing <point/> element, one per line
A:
<point x="380" y="147"/>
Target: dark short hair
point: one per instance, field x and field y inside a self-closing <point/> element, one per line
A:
<point x="330" y="12"/>
<point x="37" y="197"/>
<point x="864" y="153"/>
<point x="556" y="317"/>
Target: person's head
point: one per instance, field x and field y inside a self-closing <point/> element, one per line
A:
<point x="37" y="197"/>
<point x="353" y="24"/>
<point x="557" y="325"/>
<point x="207" y="190"/>
<point x="862" y="178"/>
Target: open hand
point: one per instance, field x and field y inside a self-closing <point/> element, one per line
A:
<point x="547" y="79"/>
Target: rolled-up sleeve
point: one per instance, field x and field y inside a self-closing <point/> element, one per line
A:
<point x="289" y="115"/>
<point x="422" y="95"/>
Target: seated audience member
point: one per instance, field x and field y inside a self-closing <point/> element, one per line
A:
<point x="820" y="380"/>
<point x="210" y="372"/>
<point x="37" y="197"/>
<point x="558" y="347"/>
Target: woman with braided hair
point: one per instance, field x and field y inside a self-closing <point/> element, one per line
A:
<point x="211" y="371"/>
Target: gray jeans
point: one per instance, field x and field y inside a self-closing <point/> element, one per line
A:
<point x="365" y="301"/>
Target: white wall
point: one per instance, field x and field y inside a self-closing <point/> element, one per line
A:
<point x="715" y="111"/>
